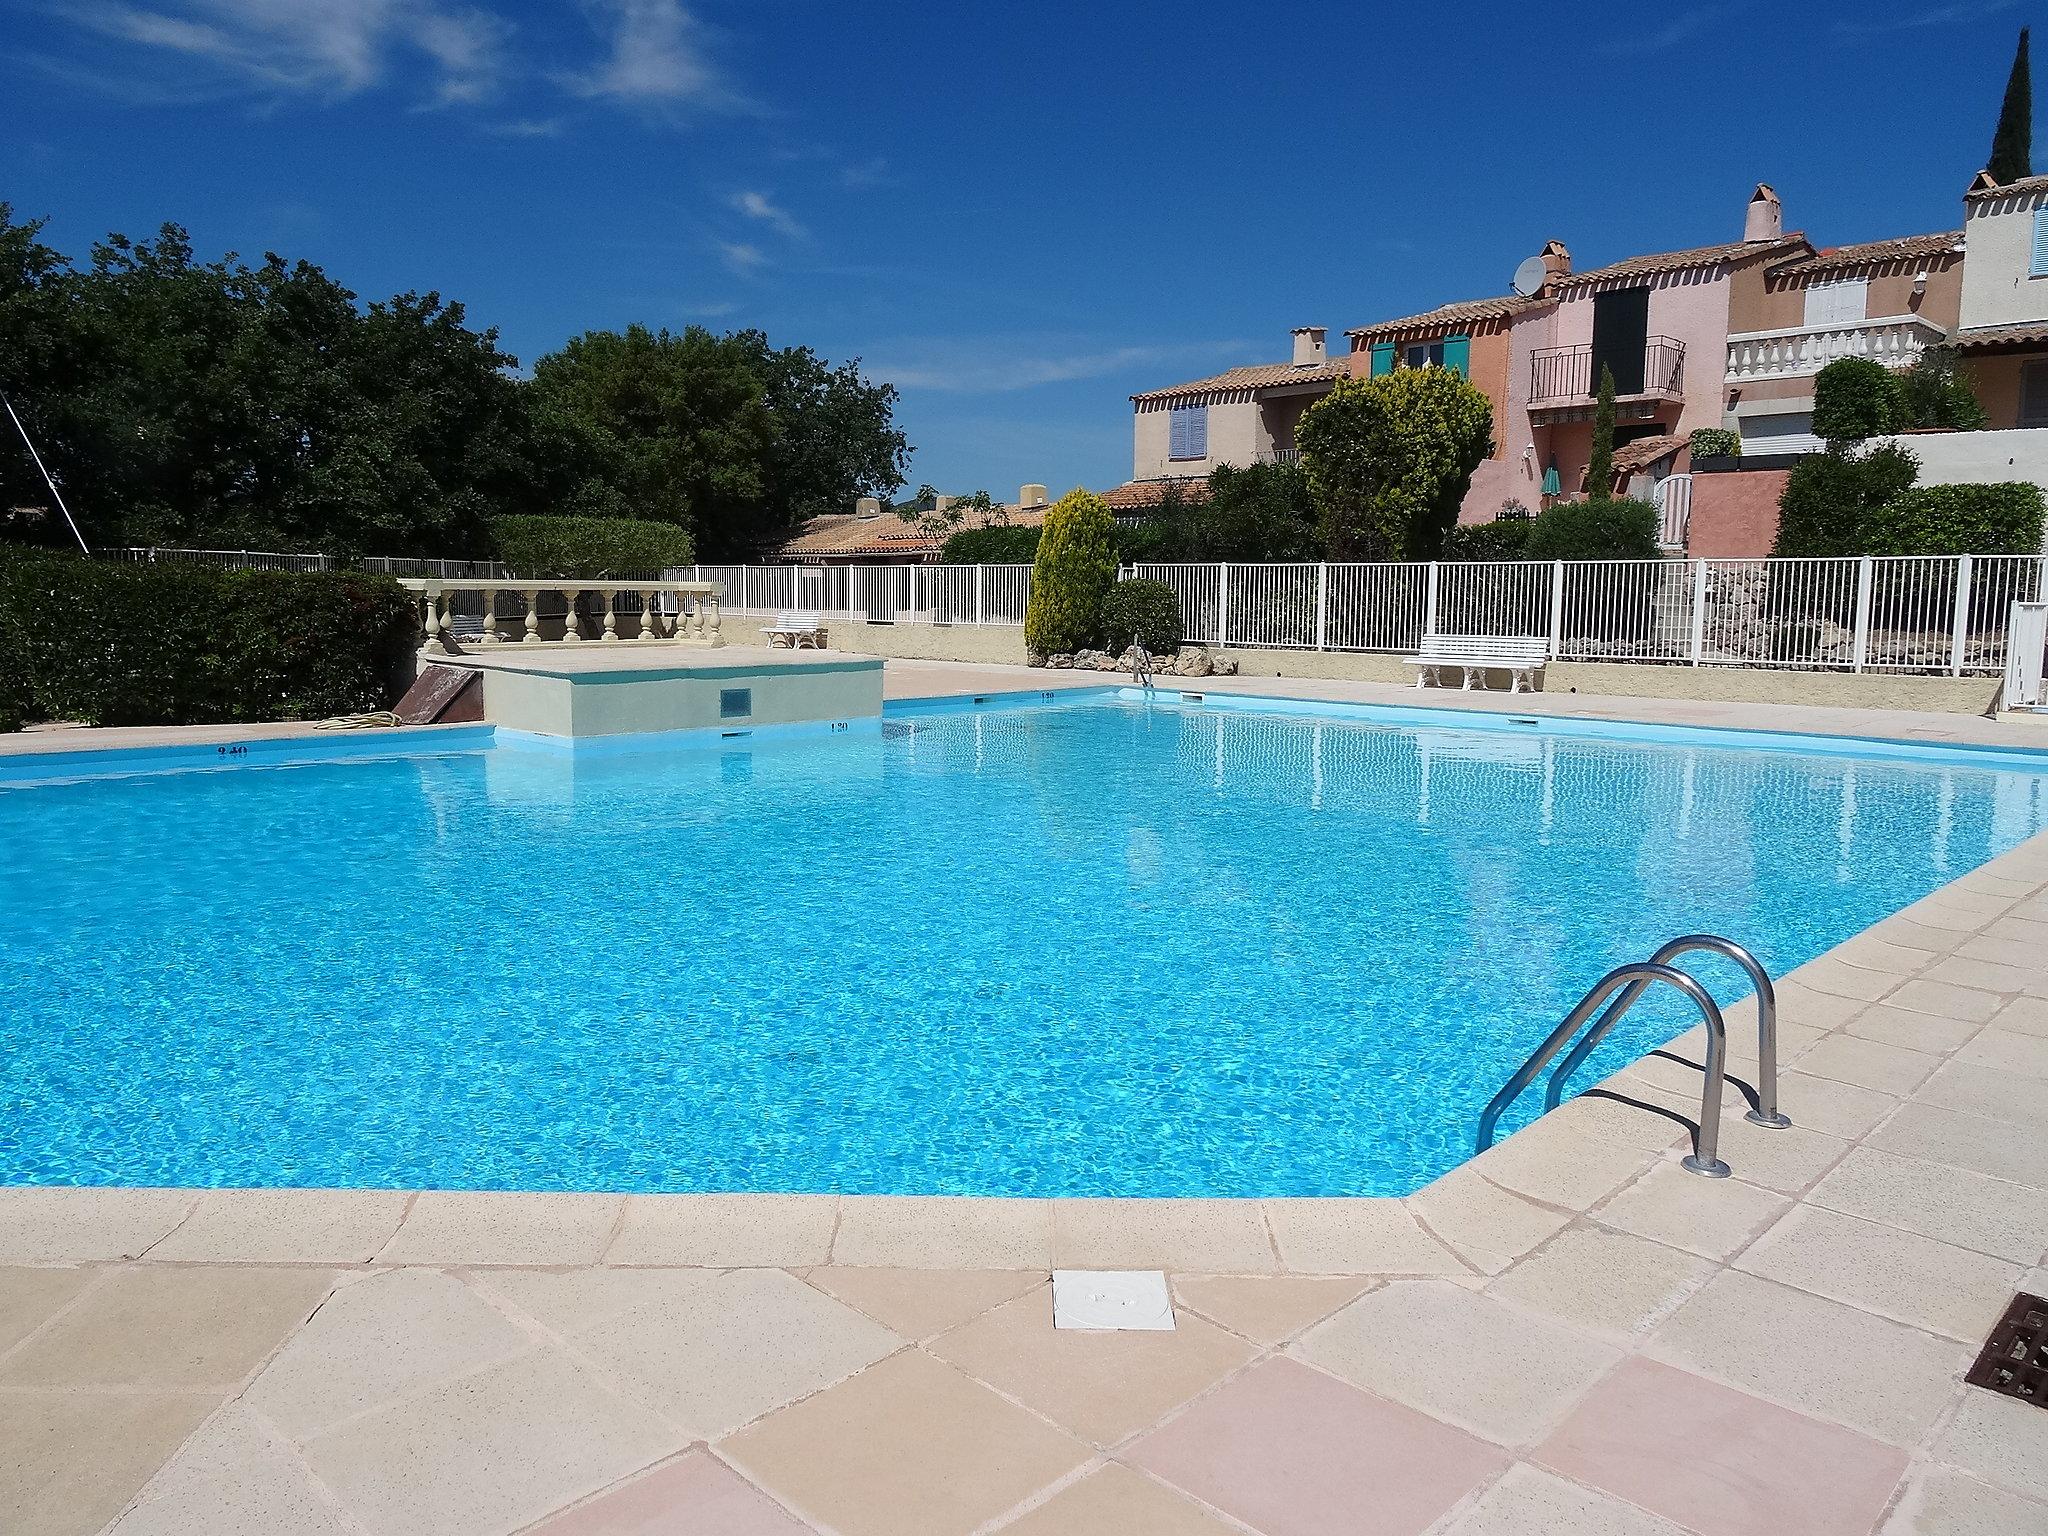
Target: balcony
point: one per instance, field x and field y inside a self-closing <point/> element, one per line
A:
<point x="1279" y="456"/>
<point x="1801" y="351"/>
<point x="1563" y="377"/>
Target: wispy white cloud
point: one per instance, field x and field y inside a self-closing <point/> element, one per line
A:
<point x="527" y="128"/>
<point x="659" y="57"/>
<point x="865" y="173"/>
<point x="744" y="259"/>
<point x="762" y="207"/>
<point x="987" y="368"/>
<point x="1679" y="29"/>
<point x="313" y="47"/>
<point x="1915" y="21"/>
<point x="717" y="311"/>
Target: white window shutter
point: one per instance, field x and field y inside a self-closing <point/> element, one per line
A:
<point x="2038" y="267"/>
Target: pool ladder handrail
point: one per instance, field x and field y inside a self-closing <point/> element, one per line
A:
<point x="1141" y="663"/>
<point x="1632" y="981"/>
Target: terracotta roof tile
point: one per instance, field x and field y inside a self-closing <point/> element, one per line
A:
<point x="846" y="534"/>
<point x="1678" y="261"/>
<point x="2019" y="334"/>
<point x="1258" y="376"/>
<point x="1644" y="451"/>
<point x="2024" y="184"/>
<point x="1135" y="495"/>
<point x="1841" y="258"/>
<point x="1462" y="313"/>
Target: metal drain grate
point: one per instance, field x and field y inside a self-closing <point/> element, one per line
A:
<point x="2015" y="1357"/>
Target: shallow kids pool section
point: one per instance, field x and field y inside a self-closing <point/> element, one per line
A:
<point x="1095" y="947"/>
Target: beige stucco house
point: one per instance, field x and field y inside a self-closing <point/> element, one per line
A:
<point x="2003" y="335"/>
<point x="1244" y="416"/>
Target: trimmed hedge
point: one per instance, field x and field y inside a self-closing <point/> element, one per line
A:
<point x="1505" y="538"/>
<point x="110" y="644"/>
<point x="1617" y="529"/>
<point x="2001" y="519"/>
<point x="590" y="548"/>
<point x="1149" y="610"/>
<point x="1830" y="498"/>
<point x="1854" y="398"/>
<point x="990" y="546"/>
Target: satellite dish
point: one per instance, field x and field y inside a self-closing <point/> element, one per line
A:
<point x="1530" y="277"/>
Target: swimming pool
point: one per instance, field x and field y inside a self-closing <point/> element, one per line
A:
<point x="1092" y="946"/>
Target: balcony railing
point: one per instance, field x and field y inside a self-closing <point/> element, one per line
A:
<point x="1801" y="351"/>
<point x="1279" y="455"/>
<point x="1564" y="375"/>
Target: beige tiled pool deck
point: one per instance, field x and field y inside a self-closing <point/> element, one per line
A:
<point x="1569" y="1333"/>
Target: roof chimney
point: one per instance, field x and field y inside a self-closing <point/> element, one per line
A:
<point x="1031" y="496"/>
<point x="1766" y="220"/>
<point x="1308" y="346"/>
<point x="868" y="506"/>
<point x="1557" y="261"/>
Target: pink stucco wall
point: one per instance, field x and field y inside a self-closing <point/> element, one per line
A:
<point x="1735" y="516"/>
<point x="1689" y="306"/>
<point x="1509" y="475"/>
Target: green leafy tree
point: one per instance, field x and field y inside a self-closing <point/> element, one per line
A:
<point x="2012" y="142"/>
<point x="1145" y="611"/>
<point x="180" y="401"/>
<point x="1937" y="392"/>
<point x="1389" y="459"/>
<point x="1831" y="498"/>
<point x="724" y="435"/>
<point x="1075" y="566"/>
<point x="1854" y="398"/>
<point x="1600" y="466"/>
<point x="1607" y="528"/>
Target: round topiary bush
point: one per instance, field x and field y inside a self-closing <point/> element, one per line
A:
<point x="1148" y="610"/>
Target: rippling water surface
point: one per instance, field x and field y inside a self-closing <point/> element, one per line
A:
<point x="1095" y="948"/>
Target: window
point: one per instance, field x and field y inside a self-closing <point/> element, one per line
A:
<point x="2038" y="265"/>
<point x="1423" y="354"/>
<point x="1187" y="435"/>
<point x="2034" y="395"/>
<point x="1453" y="352"/>
<point x="1843" y="303"/>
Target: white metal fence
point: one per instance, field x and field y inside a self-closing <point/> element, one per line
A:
<point x="1915" y="613"/>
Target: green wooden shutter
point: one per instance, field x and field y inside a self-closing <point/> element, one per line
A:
<point x="1382" y="358"/>
<point x="1458" y="355"/>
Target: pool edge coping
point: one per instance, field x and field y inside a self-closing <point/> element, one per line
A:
<point x="536" y="1229"/>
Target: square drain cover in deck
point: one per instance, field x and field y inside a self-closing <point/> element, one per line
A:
<point x="1106" y="1299"/>
<point x="2015" y="1357"/>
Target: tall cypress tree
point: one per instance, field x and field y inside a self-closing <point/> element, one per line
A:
<point x="1600" y="468"/>
<point x="2012" y="146"/>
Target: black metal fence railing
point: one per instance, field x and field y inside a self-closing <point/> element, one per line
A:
<point x="1565" y="374"/>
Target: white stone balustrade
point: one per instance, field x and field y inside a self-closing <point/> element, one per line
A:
<point x="694" y="620"/>
<point x="1801" y="351"/>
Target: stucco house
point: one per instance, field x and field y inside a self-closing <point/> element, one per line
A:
<point x="1478" y="338"/>
<point x="1886" y="300"/>
<point x="2003" y="330"/>
<point x="1660" y="323"/>
<point x="1243" y="416"/>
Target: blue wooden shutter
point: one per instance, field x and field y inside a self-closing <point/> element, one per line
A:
<point x="1458" y="355"/>
<point x="2038" y="267"/>
<point x="1198" y="432"/>
<point x="1176" y="433"/>
<point x="1382" y="358"/>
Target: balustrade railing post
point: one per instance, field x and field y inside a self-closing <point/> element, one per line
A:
<point x="571" y="630"/>
<point x="1959" y="627"/>
<point x="1323" y="605"/>
<point x="1861" y="653"/>
<point x="532" y="626"/>
<point x="1222" y="603"/>
<point x="1699" y="611"/>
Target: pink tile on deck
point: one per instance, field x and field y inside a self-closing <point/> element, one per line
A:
<point x="1293" y="1452"/>
<point x="1720" y="1461"/>
<point x="694" y="1495"/>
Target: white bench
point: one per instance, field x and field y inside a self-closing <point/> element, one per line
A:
<point x="796" y="630"/>
<point x="1520" y="656"/>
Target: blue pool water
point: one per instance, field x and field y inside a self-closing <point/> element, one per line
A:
<point x="1099" y="947"/>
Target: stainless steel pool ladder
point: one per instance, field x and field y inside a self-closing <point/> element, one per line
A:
<point x="1631" y="982"/>
<point x="1141" y="664"/>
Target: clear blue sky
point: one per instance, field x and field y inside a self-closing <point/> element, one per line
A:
<point x="1019" y="215"/>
